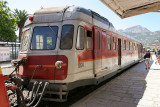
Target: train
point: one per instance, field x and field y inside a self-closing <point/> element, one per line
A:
<point x="70" y="47"/>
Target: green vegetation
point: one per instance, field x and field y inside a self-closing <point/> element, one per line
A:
<point x="22" y="16"/>
<point x="7" y="23"/>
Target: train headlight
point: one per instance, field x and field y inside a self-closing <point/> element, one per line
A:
<point x="58" y="64"/>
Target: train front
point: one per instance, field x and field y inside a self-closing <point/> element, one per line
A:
<point x="38" y="61"/>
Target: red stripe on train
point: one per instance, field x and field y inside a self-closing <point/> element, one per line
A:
<point x="47" y="68"/>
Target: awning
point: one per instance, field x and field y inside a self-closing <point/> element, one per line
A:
<point x="128" y="8"/>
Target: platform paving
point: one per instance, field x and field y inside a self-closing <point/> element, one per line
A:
<point x="6" y="67"/>
<point x="136" y="87"/>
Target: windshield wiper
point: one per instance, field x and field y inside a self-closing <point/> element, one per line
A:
<point x="52" y="30"/>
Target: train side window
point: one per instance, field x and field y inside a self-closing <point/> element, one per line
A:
<point x="114" y="43"/>
<point x="98" y="40"/>
<point x="25" y="40"/>
<point x="129" y="47"/>
<point x="132" y="46"/>
<point x="80" y="38"/>
<point x="124" y="44"/>
<point x="67" y="37"/>
<point x="89" y="40"/>
<point x="108" y="42"/>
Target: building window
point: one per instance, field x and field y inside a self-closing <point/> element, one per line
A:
<point x="80" y="38"/>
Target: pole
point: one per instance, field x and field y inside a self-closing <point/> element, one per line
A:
<point x="12" y="51"/>
<point x="15" y="49"/>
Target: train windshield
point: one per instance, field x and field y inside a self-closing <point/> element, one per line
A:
<point x="67" y="37"/>
<point x="25" y="40"/>
<point x="44" y="38"/>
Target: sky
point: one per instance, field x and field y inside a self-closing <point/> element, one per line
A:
<point x="149" y="20"/>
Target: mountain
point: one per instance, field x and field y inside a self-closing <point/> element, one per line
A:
<point x="135" y="29"/>
<point x="144" y="35"/>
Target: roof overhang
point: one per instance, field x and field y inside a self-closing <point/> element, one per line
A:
<point x="128" y="8"/>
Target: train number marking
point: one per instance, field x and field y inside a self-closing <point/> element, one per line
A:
<point x="80" y="65"/>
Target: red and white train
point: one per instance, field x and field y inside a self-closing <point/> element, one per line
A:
<point x="71" y="47"/>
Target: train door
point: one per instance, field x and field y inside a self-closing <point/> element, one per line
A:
<point x="89" y="48"/>
<point x="97" y="50"/>
<point x="119" y="51"/>
<point x="104" y="51"/>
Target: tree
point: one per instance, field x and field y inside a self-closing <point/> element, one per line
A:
<point x="22" y="16"/>
<point x="7" y="23"/>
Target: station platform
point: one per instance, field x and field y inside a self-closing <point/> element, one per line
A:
<point x="136" y="87"/>
<point x="6" y="67"/>
<point x="5" y="64"/>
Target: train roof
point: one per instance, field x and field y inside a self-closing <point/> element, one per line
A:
<point x="75" y="9"/>
<point x="71" y="12"/>
<point x="50" y="10"/>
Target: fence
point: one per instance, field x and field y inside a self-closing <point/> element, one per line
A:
<point x="9" y="50"/>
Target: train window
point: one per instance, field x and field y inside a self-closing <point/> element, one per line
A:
<point x="89" y="40"/>
<point x="127" y="45"/>
<point x="98" y="40"/>
<point x="67" y="37"/>
<point x="129" y="48"/>
<point x="108" y="42"/>
<point x="132" y="46"/>
<point x="124" y="44"/>
<point x="114" y="43"/>
<point x="25" y="40"/>
<point x="80" y="38"/>
<point x="44" y="38"/>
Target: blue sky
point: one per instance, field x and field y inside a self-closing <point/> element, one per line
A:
<point x="148" y="20"/>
